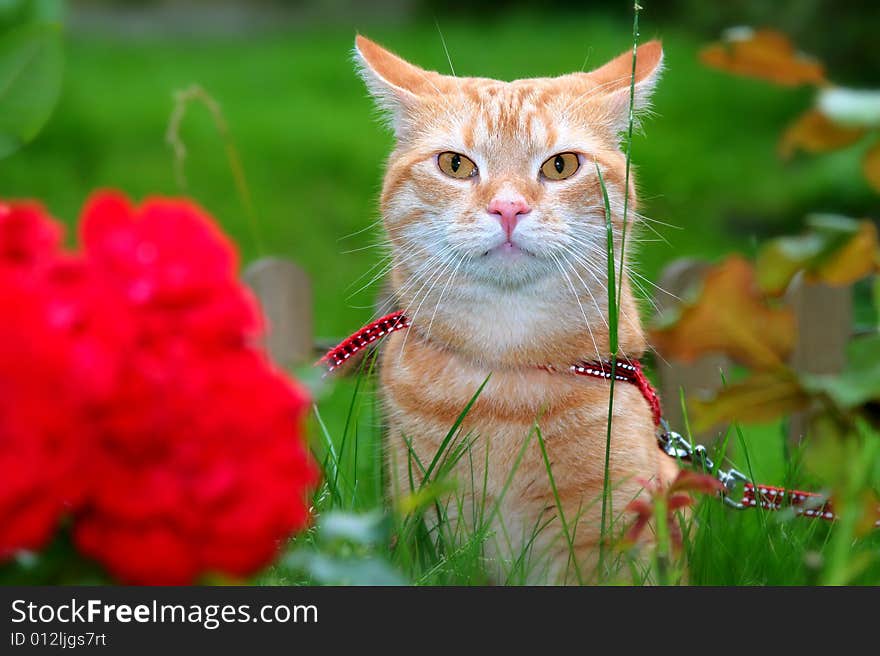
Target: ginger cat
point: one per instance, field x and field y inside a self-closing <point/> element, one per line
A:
<point x="494" y="211"/>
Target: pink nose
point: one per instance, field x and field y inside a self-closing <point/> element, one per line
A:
<point x="508" y="211"/>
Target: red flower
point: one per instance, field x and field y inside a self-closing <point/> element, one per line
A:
<point x="173" y="268"/>
<point x="37" y="455"/>
<point x="28" y="236"/>
<point x="190" y="447"/>
<point x="206" y="457"/>
<point x="41" y="432"/>
<point x="200" y="454"/>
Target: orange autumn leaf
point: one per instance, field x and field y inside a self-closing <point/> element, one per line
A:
<point x="690" y="481"/>
<point x="760" y="398"/>
<point x="669" y="498"/>
<point x="813" y="132"/>
<point x="871" y="166"/>
<point x="730" y="316"/>
<point x="764" y="54"/>
<point x="857" y="259"/>
<point x="869" y="503"/>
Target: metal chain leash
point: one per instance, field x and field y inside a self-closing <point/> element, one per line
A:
<point x="676" y="446"/>
<point x="753" y="495"/>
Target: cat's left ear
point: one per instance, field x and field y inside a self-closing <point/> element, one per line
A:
<point x="610" y="83"/>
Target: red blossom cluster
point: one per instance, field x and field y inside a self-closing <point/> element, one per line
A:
<point x="135" y="403"/>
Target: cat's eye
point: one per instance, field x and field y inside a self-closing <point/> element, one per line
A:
<point x="456" y="165"/>
<point x="561" y="166"/>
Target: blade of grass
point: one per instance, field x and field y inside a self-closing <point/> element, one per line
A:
<point x="612" y="340"/>
<point x="614" y="298"/>
<point x="742" y="443"/>
<point x="558" y="501"/>
<point x="332" y="457"/>
<point x="518" y="566"/>
<point x="629" y="136"/>
<point x="182" y="99"/>
<point x="863" y="451"/>
<point x="361" y="375"/>
<point x="452" y="431"/>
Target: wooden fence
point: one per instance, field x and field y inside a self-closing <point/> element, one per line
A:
<point x="823" y="313"/>
<point x="824" y="319"/>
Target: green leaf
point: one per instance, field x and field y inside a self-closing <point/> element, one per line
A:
<point x="835" y="250"/>
<point x="327" y="569"/>
<point x="425" y="495"/>
<point x="859" y="382"/>
<point x="876" y="294"/>
<point x="14" y="13"/>
<point x="30" y="81"/>
<point x="57" y="563"/>
<point x="360" y="529"/>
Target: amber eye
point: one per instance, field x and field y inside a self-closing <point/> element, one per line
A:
<point x="561" y="166"/>
<point x="456" y="165"/>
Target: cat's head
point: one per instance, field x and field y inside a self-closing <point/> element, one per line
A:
<point x="493" y="186"/>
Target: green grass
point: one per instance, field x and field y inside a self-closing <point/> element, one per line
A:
<point x="312" y="152"/>
<point x="413" y="543"/>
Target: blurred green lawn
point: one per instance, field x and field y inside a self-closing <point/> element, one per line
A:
<point x="313" y="151"/>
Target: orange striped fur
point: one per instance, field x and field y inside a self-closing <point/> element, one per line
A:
<point x="478" y="311"/>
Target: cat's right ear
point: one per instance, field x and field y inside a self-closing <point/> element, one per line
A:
<point x="396" y="84"/>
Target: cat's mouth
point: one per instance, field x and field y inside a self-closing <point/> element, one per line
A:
<point x="508" y="249"/>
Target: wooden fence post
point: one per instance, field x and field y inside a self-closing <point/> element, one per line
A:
<point x="699" y="378"/>
<point x="824" y="320"/>
<point x="285" y="294"/>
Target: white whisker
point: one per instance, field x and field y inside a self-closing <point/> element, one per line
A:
<point x="435" y="278"/>
<point x="445" y="49"/>
<point x="461" y="259"/>
<point x="578" y="300"/>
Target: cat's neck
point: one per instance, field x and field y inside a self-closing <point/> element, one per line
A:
<point x="539" y="324"/>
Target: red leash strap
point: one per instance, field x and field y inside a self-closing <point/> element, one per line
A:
<point x="777" y="498"/>
<point x="628" y="372"/>
<point x="807" y="504"/>
<point x="364" y="337"/>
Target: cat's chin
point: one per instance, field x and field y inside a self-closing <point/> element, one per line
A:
<point x="509" y="269"/>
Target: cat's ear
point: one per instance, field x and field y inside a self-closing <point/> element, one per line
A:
<point x="610" y="83"/>
<point x="396" y="84"/>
